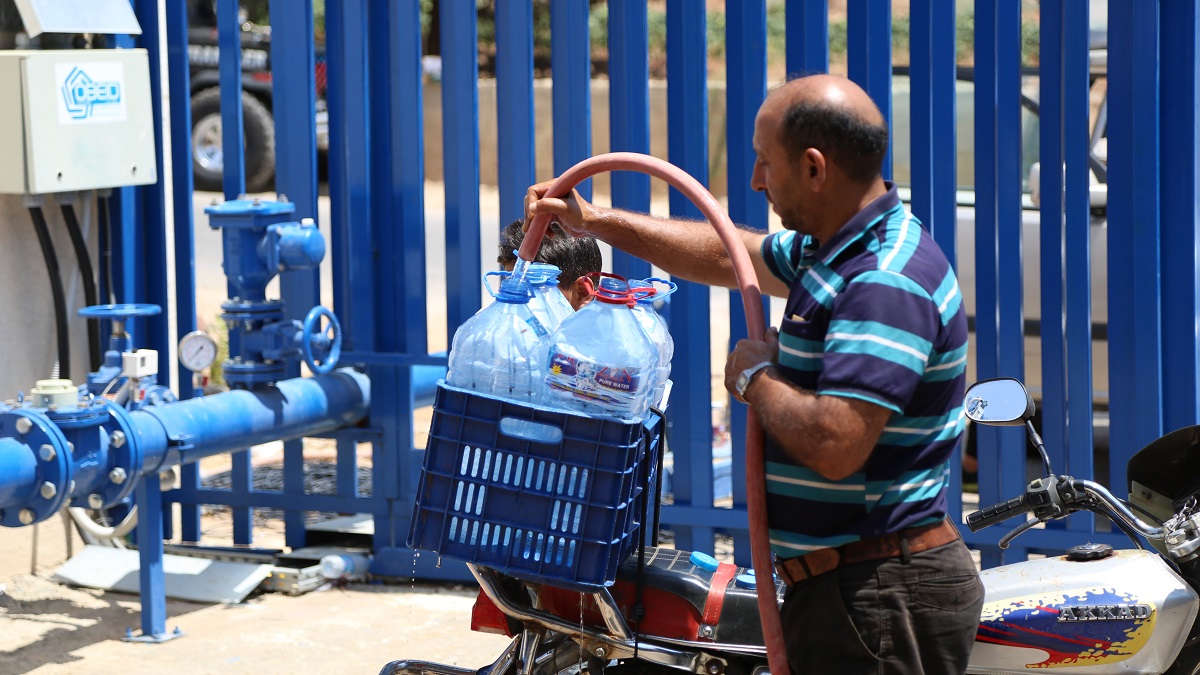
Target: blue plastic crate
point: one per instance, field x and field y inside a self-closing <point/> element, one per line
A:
<point x="560" y="511"/>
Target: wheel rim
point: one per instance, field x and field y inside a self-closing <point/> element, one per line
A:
<point x="206" y="144"/>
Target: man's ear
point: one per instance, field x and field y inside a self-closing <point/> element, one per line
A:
<point x="578" y="294"/>
<point x="815" y="168"/>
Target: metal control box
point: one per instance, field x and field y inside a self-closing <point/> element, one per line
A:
<point x="75" y="120"/>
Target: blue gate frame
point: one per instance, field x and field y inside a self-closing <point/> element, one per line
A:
<point x="376" y="183"/>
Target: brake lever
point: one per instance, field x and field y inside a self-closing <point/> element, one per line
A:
<point x="1018" y="531"/>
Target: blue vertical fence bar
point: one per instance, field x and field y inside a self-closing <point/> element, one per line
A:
<point x="349" y="172"/>
<point x="986" y="322"/>
<point x="185" y="273"/>
<point x="1077" y="248"/>
<point x="294" y="87"/>
<point x="398" y="201"/>
<point x="1050" y="115"/>
<point x="1010" y="339"/>
<point x="807" y="36"/>
<point x="629" y="113"/>
<point x="229" y="42"/>
<point x="746" y="49"/>
<point x="233" y="183"/>
<point x="1133" y="231"/>
<point x="149" y="227"/>
<point x="152" y="215"/>
<point x="689" y="433"/>
<point x="571" y="68"/>
<point x="514" y="106"/>
<point x="1180" y="214"/>
<point x="869" y="56"/>
<point x="460" y="159"/>
<point x="932" y="112"/>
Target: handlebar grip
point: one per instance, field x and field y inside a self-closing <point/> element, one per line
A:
<point x="997" y="513"/>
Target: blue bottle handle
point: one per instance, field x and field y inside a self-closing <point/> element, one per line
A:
<point x="486" y="284"/>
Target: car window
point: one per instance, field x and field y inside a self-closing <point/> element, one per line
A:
<point x="964" y="131"/>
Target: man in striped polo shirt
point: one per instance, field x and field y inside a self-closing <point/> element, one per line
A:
<point x="859" y="391"/>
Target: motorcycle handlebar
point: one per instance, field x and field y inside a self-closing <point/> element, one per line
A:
<point x="1112" y="507"/>
<point x="997" y="513"/>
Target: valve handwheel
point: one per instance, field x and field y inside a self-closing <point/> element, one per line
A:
<point x="332" y="332"/>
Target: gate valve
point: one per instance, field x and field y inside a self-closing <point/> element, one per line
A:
<point x="119" y="340"/>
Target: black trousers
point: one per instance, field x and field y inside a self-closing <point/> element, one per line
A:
<point x="886" y="616"/>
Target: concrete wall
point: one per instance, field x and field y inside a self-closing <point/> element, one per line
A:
<point x="543" y="107"/>
<point x="26" y="304"/>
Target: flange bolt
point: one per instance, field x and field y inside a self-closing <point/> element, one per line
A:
<point x="48" y="490"/>
<point x="24" y="425"/>
<point x="599" y="652"/>
<point x="25" y="516"/>
<point x="47" y="453"/>
<point x="117" y="438"/>
<point x="95" y="501"/>
<point x="117" y="476"/>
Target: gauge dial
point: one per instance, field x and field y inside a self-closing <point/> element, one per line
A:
<point x="197" y="351"/>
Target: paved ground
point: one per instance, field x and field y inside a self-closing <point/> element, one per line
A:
<point x="47" y="628"/>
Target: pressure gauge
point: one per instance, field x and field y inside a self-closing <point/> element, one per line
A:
<point x="197" y="351"/>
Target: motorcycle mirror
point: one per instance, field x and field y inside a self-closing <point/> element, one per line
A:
<point x="1001" y="402"/>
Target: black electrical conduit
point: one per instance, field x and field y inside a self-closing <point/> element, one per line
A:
<point x="56" y="289"/>
<point x="89" y="282"/>
<point x="106" y="254"/>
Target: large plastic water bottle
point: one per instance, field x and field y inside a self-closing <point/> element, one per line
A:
<point x="349" y="566"/>
<point x="649" y="293"/>
<point x="497" y="351"/>
<point x="549" y="304"/>
<point x="600" y="361"/>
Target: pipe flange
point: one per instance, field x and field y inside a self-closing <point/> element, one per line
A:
<point x="54" y="465"/>
<point x="124" y="453"/>
<point x="90" y="414"/>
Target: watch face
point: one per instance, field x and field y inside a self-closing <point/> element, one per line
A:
<point x="742" y="381"/>
<point x="197" y="351"/>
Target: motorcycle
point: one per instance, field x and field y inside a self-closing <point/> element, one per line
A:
<point x="1092" y="610"/>
<point x="1095" y="609"/>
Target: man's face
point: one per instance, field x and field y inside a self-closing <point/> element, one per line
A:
<point x="775" y="174"/>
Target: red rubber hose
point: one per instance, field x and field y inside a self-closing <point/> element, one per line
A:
<point x="743" y="268"/>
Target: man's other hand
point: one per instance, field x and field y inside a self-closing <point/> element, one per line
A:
<point x="748" y="353"/>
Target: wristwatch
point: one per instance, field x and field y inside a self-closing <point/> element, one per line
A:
<point x="747" y="376"/>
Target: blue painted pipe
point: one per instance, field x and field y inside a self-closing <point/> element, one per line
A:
<point x="90" y="444"/>
<point x="18" y="472"/>
<point x="187" y="431"/>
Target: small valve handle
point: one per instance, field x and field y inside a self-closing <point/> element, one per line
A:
<point x="120" y="312"/>
<point x="331" y="335"/>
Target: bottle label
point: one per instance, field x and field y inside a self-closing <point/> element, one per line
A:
<point x="608" y="386"/>
<point x="538" y="329"/>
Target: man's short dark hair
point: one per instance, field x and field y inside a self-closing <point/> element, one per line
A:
<point x="855" y="145"/>
<point x="575" y="256"/>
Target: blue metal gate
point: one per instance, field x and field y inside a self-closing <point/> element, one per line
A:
<point x="376" y="183"/>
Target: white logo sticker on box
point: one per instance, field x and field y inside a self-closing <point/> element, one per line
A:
<point x="90" y="93"/>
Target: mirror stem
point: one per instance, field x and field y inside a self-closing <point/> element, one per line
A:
<point x="1037" y="442"/>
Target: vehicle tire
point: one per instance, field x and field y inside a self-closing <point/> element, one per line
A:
<point x="207" y="157"/>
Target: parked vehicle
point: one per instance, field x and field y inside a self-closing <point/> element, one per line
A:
<point x="1030" y="214"/>
<point x="258" y="123"/>
<point x="1092" y="610"/>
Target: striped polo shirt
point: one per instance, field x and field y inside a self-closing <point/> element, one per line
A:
<point x="874" y="314"/>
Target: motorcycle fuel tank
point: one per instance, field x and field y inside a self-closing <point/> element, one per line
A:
<point x="1125" y="613"/>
